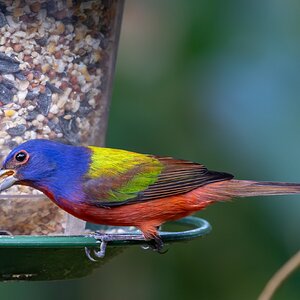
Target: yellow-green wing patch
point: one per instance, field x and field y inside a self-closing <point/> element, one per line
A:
<point x="118" y="177"/>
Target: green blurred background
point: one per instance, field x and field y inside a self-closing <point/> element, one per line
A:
<point x="215" y="82"/>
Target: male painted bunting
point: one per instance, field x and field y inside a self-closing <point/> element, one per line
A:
<point x="122" y="188"/>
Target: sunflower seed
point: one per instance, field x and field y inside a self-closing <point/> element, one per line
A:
<point x="31" y="95"/>
<point x="8" y="65"/>
<point x="3" y="21"/>
<point x="16" y="131"/>
<point x="6" y="95"/>
<point x="53" y="88"/>
<point x="44" y="101"/>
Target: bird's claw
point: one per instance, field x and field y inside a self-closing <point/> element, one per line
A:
<point x="105" y="239"/>
<point x="155" y="244"/>
<point x="97" y="254"/>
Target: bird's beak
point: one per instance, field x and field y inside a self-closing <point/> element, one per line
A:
<point x="7" y="179"/>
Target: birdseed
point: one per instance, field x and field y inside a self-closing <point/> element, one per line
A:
<point x="54" y="59"/>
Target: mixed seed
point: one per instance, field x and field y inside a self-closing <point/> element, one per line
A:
<point x="53" y="59"/>
<point x="31" y="216"/>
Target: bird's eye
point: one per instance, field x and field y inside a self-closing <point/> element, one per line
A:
<point x="21" y="156"/>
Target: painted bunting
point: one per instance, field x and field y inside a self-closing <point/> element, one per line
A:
<point x="122" y="188"/>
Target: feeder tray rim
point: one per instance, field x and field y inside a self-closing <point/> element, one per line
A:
<point x="201" y="227"/>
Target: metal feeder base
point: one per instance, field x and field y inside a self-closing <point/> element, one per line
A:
<point x="63" y="257"/>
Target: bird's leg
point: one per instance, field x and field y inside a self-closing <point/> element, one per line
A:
<point x="103" y="244"/>
<point x="151" y="235"/>
<point x="98" y="254"/>
<point x="106" y="238"/>
<point x="157" y="245"/>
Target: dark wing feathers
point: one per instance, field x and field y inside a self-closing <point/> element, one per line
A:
<point x="177" y="177"/>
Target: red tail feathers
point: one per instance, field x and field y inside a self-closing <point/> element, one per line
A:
<point x="247" y="188"/>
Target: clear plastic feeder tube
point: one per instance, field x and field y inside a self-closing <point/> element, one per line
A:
<point x="56" y="68"/>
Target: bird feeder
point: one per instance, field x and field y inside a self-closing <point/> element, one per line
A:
<point x="57" y="62"/>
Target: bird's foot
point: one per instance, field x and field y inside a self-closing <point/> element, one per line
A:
<point x="97" y="254"/>
<point x="105" y="239"/>
<point x="156" y="244"/>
